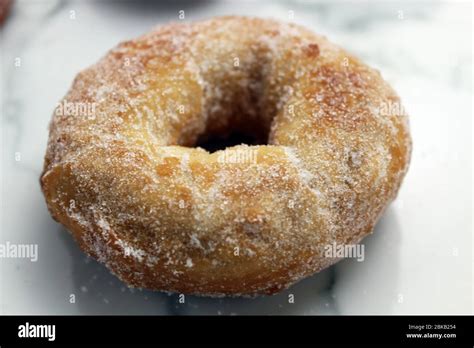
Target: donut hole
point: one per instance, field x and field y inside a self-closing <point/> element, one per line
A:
<point x="240" y="128"/>
<point x="239" y="108"/>
<point x="215" y="142"/>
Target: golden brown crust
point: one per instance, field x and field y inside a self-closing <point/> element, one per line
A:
<point x="165" y="216"/>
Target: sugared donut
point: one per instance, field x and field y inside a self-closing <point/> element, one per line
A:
<point x="123" y="174"/>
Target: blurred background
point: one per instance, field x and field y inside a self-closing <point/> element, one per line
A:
<point x="419" y="259"/>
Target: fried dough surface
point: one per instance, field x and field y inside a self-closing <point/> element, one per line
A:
<point x="123" y="175"/>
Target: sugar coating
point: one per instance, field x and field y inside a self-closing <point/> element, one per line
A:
<point x="128" y="182"/>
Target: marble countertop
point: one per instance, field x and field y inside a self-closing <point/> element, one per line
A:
<point x="418" y="261"/>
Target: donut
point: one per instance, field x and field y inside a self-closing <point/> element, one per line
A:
<point x="125" y="174"/>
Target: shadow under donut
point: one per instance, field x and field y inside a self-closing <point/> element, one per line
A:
<point x="100" y="292"/>
<point x="371" y="286"/>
